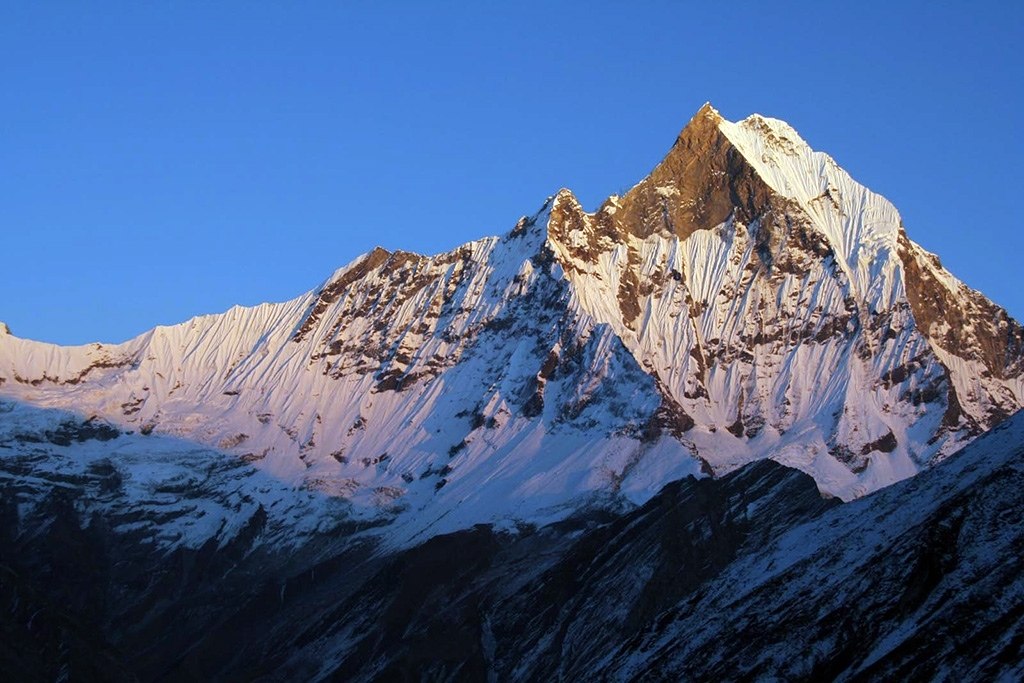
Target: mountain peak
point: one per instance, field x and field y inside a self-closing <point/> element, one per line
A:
<point x="707" y="111"/>
<point x="564" y="195"/>
<point x="703" y="123"/>
<point x="695" y="187"/>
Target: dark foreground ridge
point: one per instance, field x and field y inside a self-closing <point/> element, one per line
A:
<point x="749" y="576"/>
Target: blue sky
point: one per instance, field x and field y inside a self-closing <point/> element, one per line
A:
<point x="163" y="160"/>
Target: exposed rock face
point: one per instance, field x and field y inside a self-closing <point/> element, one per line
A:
<point x="967" y="330"/>
<point x="702" y="183"/>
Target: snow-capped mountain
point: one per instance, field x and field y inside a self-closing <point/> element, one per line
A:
<point x="638" y="443"/>
<point x="747" y="300"/>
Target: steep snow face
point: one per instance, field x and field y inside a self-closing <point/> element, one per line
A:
<point x="969" y="334"/>
<point x="748" y="299"/>
<point x="860" y="226"/>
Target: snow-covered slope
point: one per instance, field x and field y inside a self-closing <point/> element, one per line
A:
<point x="747" y="300"/>
<point x="921" y="581"/>
<point x="753" y="576"/>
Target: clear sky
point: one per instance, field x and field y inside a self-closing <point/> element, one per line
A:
<point x="160" y="160"/>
